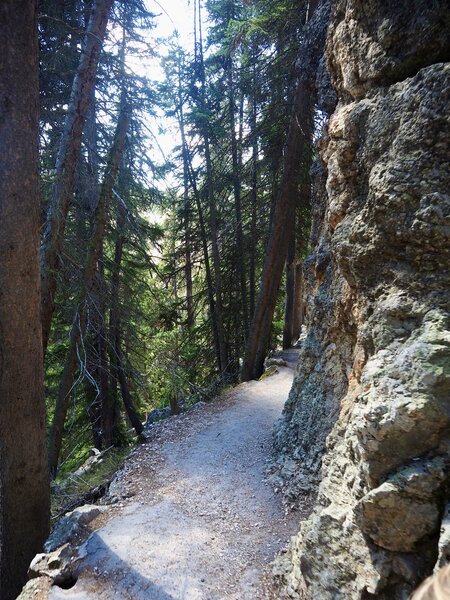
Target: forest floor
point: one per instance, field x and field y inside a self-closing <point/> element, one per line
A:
<point x="194" y="516"/>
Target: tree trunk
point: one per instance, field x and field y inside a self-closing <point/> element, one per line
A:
<point x="97" y="388"/>
<point x="79" y="323"/>
<point x="97" y="392"/>
<point x="68" y="153"/>
<point x="298" y="302"/>
<point x="115" y="329"/>
<point x="24" y="482"/>
<point x="299" y="140"/>
<point x="241" y="258"/>
<point x="187" y="166"/>
<point x="299" y="137"/>
<point x="124" y="388"/>
<point x="190" y="320"/>
<point x="187" y="241"/>
<point x="223" y="352"/>
<point x="93" y="398"/>
<point x="254" y="192"/>
<point x="109" y="414"/>
<point x="222" y="346"/>
<point x="209" y="280"/>
<point x="288" y="330"/>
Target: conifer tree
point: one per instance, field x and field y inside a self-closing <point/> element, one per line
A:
<point x="24" y="485"/>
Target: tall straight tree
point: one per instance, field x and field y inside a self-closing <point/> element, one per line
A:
<point x="117" y="359"/>
<point x="213" y="225"/>
<point x="24" y="483"/>
<point x="68" y="153"/>
<point x="236" y="168"/>
<point x="189" y="178"/>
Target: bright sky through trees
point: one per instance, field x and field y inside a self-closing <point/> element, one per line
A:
<point x="173" y="15"/>
<point x="170" y="17"/>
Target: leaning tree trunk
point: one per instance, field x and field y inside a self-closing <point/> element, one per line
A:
<point x="66" y="161"/>
<point x="79" y="323"/>
<point x="299" y="138"/>
<point x="24" y="484"/>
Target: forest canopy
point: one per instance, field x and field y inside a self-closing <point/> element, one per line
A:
<point x="151" y="267"/>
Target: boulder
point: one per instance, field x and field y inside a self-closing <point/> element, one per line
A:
<point x="70" y="525"/>
<point x="404" y="509"/>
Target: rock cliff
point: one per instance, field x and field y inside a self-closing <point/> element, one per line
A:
<point x="367" y="422"/>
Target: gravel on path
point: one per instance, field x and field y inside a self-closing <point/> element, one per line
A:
<point x="194" y="516"/>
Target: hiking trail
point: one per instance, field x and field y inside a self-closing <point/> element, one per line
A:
<point x="194" y="518"/>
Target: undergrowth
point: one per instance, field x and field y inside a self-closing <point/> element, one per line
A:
<point x="70" y="491"/>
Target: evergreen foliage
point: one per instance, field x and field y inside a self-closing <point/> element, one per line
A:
<point x="178" y="265"/>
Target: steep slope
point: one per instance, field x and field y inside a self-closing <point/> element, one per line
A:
<point x="375" y="366"/>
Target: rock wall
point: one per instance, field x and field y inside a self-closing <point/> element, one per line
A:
<point x="369" y="411"/>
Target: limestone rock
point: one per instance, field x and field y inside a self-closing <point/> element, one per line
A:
<point x="274" y="362"/>
<point x="322" y="378"/>
<point x="369" y="411"/>
<point x="401" y="511"/>
<point x="36" y="589"/>
<point x="375" y="43"/>
<point x="52" y="564"/>
<point x="70" y="524"/>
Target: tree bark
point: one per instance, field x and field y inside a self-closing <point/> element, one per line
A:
<point x="215" y="255"/>
<point x="298" y="302"/>
<point x="97" y="391"/>
<point x="254" y="189"/>
<point x="24" y="482"/>
<point x="241" y="257"/>
<point x="209" y="280"/>
<point x="214" y="310"/>
<point x="68" y="153"/>
<point x="79" y="323"/>
<point x="109" y="412"/>
<point x="93" y="398"/>
<point x="190" y="320"/>
<point x="288" y="329"/>
<point x="115" y="328"/>
<point x="299" y="137"/>
<point x="186" y="221"/>
<point x="130" y="409"/>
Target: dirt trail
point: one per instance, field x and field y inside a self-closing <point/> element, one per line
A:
<point x="195" y="519"/>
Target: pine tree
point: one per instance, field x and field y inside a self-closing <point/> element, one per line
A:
<point x="24" y="485"/>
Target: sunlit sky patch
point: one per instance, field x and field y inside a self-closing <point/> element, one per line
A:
<point x="174" y="16"/>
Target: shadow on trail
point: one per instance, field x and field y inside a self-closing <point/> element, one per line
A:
<point x="126" y="582"/>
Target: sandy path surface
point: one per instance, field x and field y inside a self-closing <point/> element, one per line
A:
<point x="195" y="518"/>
